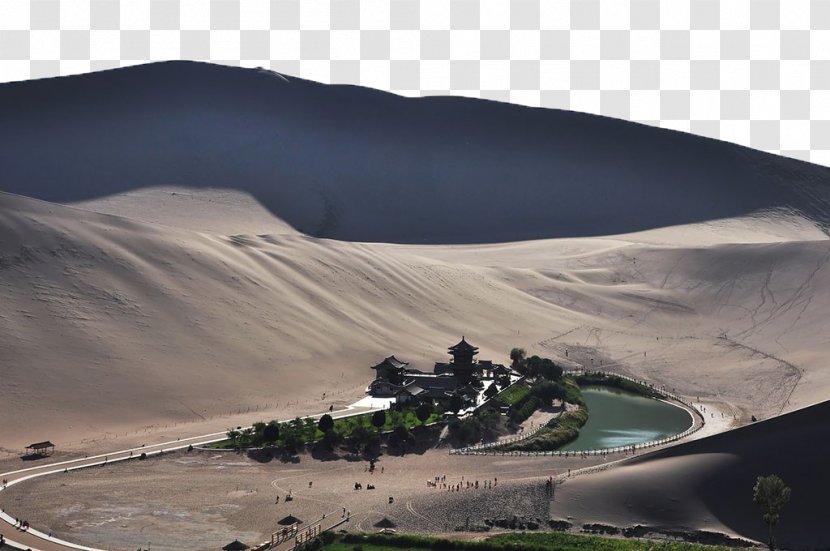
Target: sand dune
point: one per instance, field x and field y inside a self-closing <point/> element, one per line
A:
<point x="353" y="163"/>
<point x="688" y="262"/>
<point x="220" y="211"/>
<point x="707" y="484"/>
<point x="110" y="322"/>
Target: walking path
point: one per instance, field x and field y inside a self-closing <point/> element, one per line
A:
<point x="39" y="541"/>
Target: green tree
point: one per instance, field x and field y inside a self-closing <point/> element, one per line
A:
<point x="547" y="391"/>
<point x="401" y="437"/>
<point x="379" y="419"/>
<point x="293" y="440"/>
<point x="359" y="438"/>
<point x="517" y="357"/>
<point x="233" y="434"/>
<point x="326" y="423"/>
<point x="491" y="391"/>
<point x="271" y="432"/>
<point x="332" y="439"/>
<point x="309" y="429"/>
<point x="423" y="411"/>
<point x="549" y="370"/>
<point x="246" y="437"/>
<point x="771" y="495"/>
<point x="456" y="403"/>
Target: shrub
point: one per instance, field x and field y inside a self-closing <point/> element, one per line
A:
<point x="547" y="391"/>
<point x="616" y="382"/>
<point x="554" y="435"/>
<point x="326" y="423"/>
<point x="559" y="525"/>
<point x="524" y="408"/>
<point x="271" y="432"/>
<point x="423" y="412"/>
<point x="379" y="419"/>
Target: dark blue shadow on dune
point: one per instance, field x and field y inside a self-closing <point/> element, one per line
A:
<point x="357" y="164"/>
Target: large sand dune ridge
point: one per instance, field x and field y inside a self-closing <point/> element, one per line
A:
<point x="112" y="322"/>
<point x="179" y="241"/>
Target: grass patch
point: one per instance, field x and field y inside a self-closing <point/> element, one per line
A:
<point x="573" y="395"/>
<point x="513" y="395"/>
<point x="503" y="542"/>
<point x="554" y="435"/>
<point x="524" y="408"/>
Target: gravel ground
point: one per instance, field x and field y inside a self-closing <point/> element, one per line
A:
<point x="205" y="499"/>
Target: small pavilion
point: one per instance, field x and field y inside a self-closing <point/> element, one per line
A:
<point x="40" y="448"/>
<point x="235" y="545"/>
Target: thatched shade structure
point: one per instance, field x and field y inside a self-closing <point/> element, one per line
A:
<point x="289" y="521"/>
<point x="385" y="523"/>
<point x="235" y="545"/>
<point x="40" y="448"/>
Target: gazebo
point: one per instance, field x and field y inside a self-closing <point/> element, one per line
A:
<point x="290" y="520"/>
<point x="40" y="448"/>
<point x="291" y="526"/>
<point x="385" y="523"/>
<point x="235" y="545"/>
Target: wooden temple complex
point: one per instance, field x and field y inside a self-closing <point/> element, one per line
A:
<point x="463" y="375"/>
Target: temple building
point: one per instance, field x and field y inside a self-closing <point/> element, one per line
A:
<point x="463" y="366"/>
<point x="463" y="375"/>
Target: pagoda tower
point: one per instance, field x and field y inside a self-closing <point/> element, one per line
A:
<point x="463" y="364"/>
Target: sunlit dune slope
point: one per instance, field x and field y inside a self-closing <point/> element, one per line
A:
<point x="109" y="322"/>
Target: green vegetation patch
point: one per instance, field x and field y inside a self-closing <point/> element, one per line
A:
<point x="296" y="433"/>
<point x="573" y="394"/>
<point x="502" y="542"/>
<point x="514" y="394"/>
<point x="616" y="382"/>
<point x="558" y="432"/>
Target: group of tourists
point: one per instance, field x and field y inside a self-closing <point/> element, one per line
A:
<point x="21" y="525"/>
<point x="440" y="482"/>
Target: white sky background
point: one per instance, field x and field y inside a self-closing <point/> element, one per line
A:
<point x="755" y="73"/>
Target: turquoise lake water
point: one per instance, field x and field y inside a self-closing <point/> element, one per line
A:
<point x="620" y="418"/>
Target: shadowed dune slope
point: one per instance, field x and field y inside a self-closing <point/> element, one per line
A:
<point x="708" y="483"/>
<point x="357" y="164"/>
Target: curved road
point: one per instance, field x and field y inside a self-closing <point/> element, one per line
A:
<point x="39" y="541"/>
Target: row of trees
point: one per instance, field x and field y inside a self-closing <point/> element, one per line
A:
<point x="534" y="367"/>
<point x="354" y="432"/>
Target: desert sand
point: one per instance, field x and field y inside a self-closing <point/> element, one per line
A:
<point x="249" y="321"/>
<point x="130" y="313"/>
